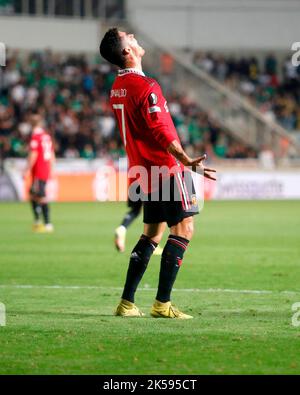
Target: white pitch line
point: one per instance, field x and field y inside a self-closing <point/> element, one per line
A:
<point x="200" y="290"/>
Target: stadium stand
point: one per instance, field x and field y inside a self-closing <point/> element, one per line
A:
<point x="270" y="84"/>
<point x="71" y="92"/>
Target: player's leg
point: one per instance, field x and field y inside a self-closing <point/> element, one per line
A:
<point x="154" y="225"/>
<point x="134" y="211"/>
<point x="181" y="223"/>
<point x="158" y="250"/>
<point x="138" y="263"/>
<point x="171" y="261"/>
<point x="177" y="243"/>
<point x="46" y="216"/>
<point x="132" y="214"/>
<point x="43" y="201"/>
<point x="120" y="232"/>
<point x="35" y="206"/>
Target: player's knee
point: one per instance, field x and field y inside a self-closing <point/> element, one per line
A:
<point x="184" y="229"/>
<point x="157" y="238"/>
<point x="154" y="232"/>
<point x="188" y="230"/>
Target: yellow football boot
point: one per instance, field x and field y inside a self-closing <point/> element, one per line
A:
<point x="128" y="309"/>
<point x="41" y="228"/>
<point x="38" y="227"/>
<point x="166" y="310"/>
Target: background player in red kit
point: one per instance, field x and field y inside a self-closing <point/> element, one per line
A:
<point x="150" y="139"/>
<point x="40" y="164"/>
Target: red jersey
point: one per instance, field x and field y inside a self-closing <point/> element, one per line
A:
<point x="145" y="124"/>
<point x="42" y="144"/>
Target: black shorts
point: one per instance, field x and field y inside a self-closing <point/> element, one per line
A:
<point x="38" y="188"/>
<point x="173" y="206"/>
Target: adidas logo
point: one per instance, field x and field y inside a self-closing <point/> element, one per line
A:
<point x="134" y="255"/>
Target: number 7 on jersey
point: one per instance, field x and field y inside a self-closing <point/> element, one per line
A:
<point x="121" y="107"/>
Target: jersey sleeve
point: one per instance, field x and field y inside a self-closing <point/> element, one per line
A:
<point x="34" y="144"/>
<point x="157" y="117"/>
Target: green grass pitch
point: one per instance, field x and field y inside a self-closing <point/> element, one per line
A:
<point x="70" y="329"/>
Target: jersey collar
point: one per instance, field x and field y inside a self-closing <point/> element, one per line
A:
<point x="130" y="70"/>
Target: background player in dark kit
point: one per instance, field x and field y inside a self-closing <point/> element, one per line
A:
<point x="135" y="208"/>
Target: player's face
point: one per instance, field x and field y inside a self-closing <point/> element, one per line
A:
<point x="129" y="41"/>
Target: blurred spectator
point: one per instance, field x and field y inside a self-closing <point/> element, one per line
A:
<point x="277" y="98"/>
<point x="271" y="65"/>
<point x="72" y="94"/>
<point x="266" y="158"/>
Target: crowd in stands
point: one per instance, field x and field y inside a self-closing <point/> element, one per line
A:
<point x="271" y="85"/>
<point x="72" y="94"/>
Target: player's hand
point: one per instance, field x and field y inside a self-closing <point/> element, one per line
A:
<point x="25" y="174"/>
<point x="196" y="164"/>
<point x="198" y="167"/>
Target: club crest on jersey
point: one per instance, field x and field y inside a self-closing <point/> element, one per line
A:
<point x="152" y="99"/>
<point x="194" y="200"/>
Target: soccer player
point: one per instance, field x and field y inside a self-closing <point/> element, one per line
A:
<point x="40" y="165"/>
<point x="151" y="141"/>
<point x="135" y="208"/>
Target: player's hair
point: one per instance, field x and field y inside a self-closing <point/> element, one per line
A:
<point x="111" y="48"/>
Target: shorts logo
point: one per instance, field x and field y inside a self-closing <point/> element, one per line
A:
<point x="194" y="200"/>
<point x="152" y="99"/>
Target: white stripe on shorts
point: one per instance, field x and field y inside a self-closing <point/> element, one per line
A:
<point x="183" y="192"/>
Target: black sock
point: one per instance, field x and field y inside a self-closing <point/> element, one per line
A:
<point x="36" y="208"/>
<point x="46" y="213"/>
<point x="130" y="217"/>
<point x="138" y="263"/>
<point x="170" y="263"/>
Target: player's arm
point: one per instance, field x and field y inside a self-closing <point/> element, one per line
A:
<point x="32" y="156"/>
<point x="53" y="160"/>
<point x="157" y="117"/>
<point x="196" y="164"/>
